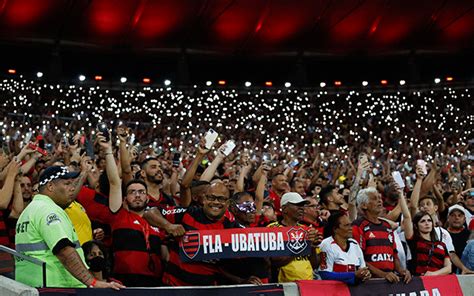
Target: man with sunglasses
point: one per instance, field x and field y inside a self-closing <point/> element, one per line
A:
<point x="247" y="270"/>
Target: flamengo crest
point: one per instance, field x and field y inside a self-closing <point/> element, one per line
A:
<point x="190" y="244"/>
<point x="296" y="240"/>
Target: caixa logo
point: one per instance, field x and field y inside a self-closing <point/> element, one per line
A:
<point x="296" y="240"/>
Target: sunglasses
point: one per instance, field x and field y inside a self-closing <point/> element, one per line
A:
<point x="247" y="207"/>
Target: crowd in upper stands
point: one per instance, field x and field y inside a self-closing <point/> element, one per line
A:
<point x="319" y="159"/>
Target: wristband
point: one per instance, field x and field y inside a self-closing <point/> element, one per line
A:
<point x="108" y="153"/>
<point x="94" y="282"/>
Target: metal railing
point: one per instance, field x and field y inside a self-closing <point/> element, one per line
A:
<point x="27" y="258"/>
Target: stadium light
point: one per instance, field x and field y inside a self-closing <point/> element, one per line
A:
<point x="437" y="80"/>
<point x="322" y="84"/>
<point x="123" y="79"/>
<point x="449" y="78"/>
<point x="208" y="83"/>
<point x="146" y="80"/>
<point x="383" y="82"/>
<point x="82" y="77"/>
<point x="97" y="78"/>
<point x="287" y="84"/>
<point x="402" y="82"/>
<point x="248" y="84"/>
<point x="268" y="83"/>
<point x="337" y="83"/>
<point x="167" y="82"/>
<point x="365" y="83"/>
<point x="221" y="82"/>
<point x="11" y="71"/>
<point x="39" y="74"/>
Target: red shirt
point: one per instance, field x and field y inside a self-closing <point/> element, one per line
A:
<point x="377" y="243"/>
<point x="276" y="201"/>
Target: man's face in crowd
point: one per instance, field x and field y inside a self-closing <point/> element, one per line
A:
<point x="336" y="197"/>
<point x="375" y="204"/>
<point x="311" y="210"/>
<point x="136" y="199"/>
<point x="243" y="217"/>
<point x="62" y="191"/>
<point x="469" y="200"/>
<point x="456" y="220"/>
<point x="299" y="188"/>
<point x="216" y="201"/>
<point x="428" y="206"/>
<point x="26" y="188"/>
<point x="280" y="183"/>
<point x="294" y="211"/>
<point x="152" y="172"/>
<point x="269" y="212"/>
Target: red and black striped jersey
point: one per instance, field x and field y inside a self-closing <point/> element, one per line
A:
<point x="136" y="245"/>
<point x="427" y="255"/>
<point x="179" y="273"/>
<point x="377" y="242"/>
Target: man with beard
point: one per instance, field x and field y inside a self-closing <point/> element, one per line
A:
<point x="152" y="174"/>
<point x="332" y="200"/>
<point x="136" y="245"/>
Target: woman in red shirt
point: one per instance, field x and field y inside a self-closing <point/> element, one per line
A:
<point x="430" y="256"/>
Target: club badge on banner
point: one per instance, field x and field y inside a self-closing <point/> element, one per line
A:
<point x="202" y="245"/>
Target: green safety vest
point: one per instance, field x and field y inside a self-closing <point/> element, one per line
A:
<point x="39" y="228"/>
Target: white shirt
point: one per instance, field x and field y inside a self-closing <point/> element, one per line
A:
<point x="334" y="259"/>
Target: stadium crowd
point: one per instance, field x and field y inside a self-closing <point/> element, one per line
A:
<point x="132" y="170"/>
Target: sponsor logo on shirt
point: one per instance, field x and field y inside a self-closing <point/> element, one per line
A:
<point x="52" y="219"/>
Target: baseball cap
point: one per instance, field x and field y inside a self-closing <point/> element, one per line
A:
<point x="458" y="208"/>
<point x="292" y="198"/>
<point x="56" y="172"/>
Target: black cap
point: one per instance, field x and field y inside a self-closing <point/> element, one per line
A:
<point x="56" y="172"/>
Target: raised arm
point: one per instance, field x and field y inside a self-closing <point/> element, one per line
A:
<point x="185" y="194"/>
<point x="6" y="192"/>
<point x="124" y="154"/>
<point x="17" y="203"/>
<point x="211" y="170"/>
<point x="115" y="195"/>
<point x="260" y="191"/>
<point x="415" y="195"/>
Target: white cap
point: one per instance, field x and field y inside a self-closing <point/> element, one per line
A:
<point x="292" y="198"/>
<point x="457" y="207"/>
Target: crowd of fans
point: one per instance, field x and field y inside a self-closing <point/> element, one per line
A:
<point x="324" y="160"/>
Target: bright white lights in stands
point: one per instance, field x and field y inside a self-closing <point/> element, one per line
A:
<point x="402" y="82"/>
<point x="437" y="80"/>
<point x="248" y="84"/>
<point x="123" y="79"/>
<point x="40" y="74"/>
<point x="82" y="77"/>
<point x="322" y="84"/>
<point x="365" y="83"/>
<point x="287" y="84"/>
<point x="167" y="82"/>
<point x="208" y="83"/>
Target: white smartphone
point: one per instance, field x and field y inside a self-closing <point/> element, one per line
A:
<point x="398" y="178"/>
<point x="229" y="146"/>
<point x="210" y="137"/>
<point x="421" y="163"/>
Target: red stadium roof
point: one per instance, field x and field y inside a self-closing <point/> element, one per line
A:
<point x="277" y="27"/>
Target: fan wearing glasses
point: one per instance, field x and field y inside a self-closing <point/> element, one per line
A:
<point x="430" y="256"/>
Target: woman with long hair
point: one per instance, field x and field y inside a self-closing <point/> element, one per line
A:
<point x="429" y="254"/>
